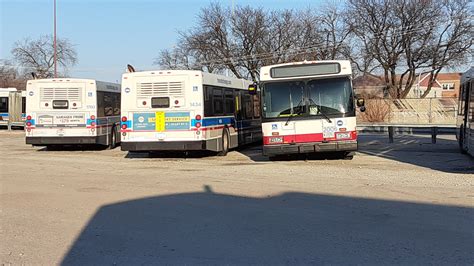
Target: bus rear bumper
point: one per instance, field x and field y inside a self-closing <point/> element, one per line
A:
<point x="164" y="146"/>
<point x="41" y="141"/>
<point x="272" y="150"/>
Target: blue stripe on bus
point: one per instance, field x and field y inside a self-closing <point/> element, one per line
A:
<point x="214" y="121"/>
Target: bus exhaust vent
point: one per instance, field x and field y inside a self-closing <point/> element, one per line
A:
<point x="50" y="94"/>
<point x="152" y="89"/>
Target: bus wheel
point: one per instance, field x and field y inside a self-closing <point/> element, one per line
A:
<point x="224" y="143"/>
<point x="347" y="155"/>
<point x="113" y="138"/>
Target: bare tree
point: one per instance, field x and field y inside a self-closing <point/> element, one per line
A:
<point x="38" y="55"/>
<point x="405" y="37"/>
<point x="244" y="39"/>
<point x="10" y="77"/>
<point x="452" y="45"/>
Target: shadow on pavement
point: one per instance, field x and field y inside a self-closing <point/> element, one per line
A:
<point x="418" y="150"/>
<point x="292" y="228"/>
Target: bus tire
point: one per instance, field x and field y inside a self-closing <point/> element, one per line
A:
<point x="348" y="155"/>
<point x="224" y="143"/>
<point x="113" y="138"/>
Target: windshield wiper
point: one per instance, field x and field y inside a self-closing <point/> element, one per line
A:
<point x="293" y="114"/>
<point x="321" y="111"/>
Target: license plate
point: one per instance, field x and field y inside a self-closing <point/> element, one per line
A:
<point x="276" y="139"/>
<point x="60" y="132"/>
<point x="343" y="135"/>
<point x="160" y="135"/>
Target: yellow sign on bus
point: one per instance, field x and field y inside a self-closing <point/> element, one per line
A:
<point x="160" y="121"/>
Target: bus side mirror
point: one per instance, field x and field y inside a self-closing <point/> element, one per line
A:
<point x="252" y="89"/>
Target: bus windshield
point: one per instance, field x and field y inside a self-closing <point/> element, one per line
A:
<point x="314" y="97"/>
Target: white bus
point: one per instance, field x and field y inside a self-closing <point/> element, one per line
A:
<point x="308" y="107"/>
<point x="186" y="110"/>
<point x="465" y="121"/>
<point x="69" y="111"/>
<point x="5" y="102"/>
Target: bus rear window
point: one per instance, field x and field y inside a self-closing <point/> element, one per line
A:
<point x="60" y="104"/>
<point x="160" y="102"/>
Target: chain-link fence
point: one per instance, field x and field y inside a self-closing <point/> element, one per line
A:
<point x="439" y="111"/>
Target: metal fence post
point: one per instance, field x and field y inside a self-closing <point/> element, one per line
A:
<point x="390" y="134"/>
<point x="434" y="133"/>
<point x="430" y="118"/>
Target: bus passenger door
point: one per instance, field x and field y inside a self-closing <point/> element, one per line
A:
<point x="239" y="117"/>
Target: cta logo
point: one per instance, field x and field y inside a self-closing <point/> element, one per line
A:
<point x="340" y="123"/>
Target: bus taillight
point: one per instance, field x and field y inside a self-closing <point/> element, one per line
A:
<point x="198" y="117"/>
<point x="144" y="102"/>
<point x="28" y="124"/>
<point x="198" y="124"/>
<point x="124" y="119"/>
<point x="124" y="126"/>
<point x="28" y="117"/>
<point x="92" y="117"/>
<point x="93" y="124"/>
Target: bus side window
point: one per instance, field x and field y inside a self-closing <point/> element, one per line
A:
<point x="247" y="109"/>
<point x="218" y="101"/>
<point x="207" y="101"/>
<point x="229" y="102"/>
<point x="100" y="104"/>
<point x="108" y="104"/>
<point x="4" y="104"/>
<point x="23" y="105"/>
<point x="116" y="103"/>
<point x="256" y="106"/>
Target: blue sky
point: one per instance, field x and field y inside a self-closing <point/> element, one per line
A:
<point x="108" y="34"/>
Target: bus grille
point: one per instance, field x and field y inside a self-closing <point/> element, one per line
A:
<point x="152" y="89"/>
<point x="71" y="94"/>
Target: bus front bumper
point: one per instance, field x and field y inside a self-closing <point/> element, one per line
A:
<point x="164" y="146"/>
<point x="309" y="147"/>
<point x="41" y="141"/>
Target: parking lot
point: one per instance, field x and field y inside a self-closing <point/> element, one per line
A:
<point x="410" y="202"/>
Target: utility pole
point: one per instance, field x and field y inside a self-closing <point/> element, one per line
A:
<point x="54" y="44"/>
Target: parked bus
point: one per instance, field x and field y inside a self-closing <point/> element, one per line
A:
<point x="5" y="105"/>
<point x="465" y="121"/>
<point x="72" y="111"/>
<point x="308" y="107"/>
<point x="184" y="110"/>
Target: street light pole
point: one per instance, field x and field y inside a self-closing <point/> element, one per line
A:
<point x="54" y="44"/>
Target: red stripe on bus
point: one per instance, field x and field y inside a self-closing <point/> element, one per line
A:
<point x="303" y="138"/>
<point x="192" y="129"/>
